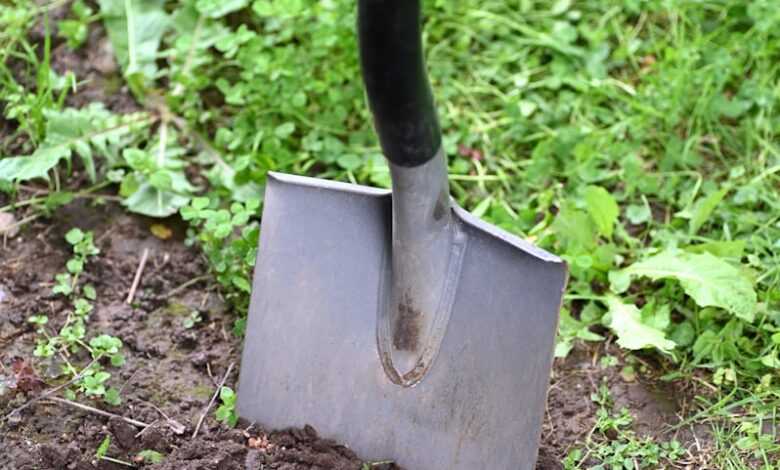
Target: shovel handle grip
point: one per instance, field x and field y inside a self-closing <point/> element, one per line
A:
<point x="393" y="66"/>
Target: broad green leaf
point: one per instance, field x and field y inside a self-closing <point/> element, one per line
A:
<point x="75" y="265"/>
<point x="638" y="214"/>
<point x="349" y="161"/>
<point x="575" y="230"/>
<point x="710" y="281"/>
<point x="138" y="159"/>
<point x="135" y="28"/>
<point x="771" y="360"/>
<point x="74" y="236"/>
<point x="603" y="209"/>
<point x="148" y="200"/>
<point x="36" y="165"/>
<point x="626" y="321"/>
<point x="161" y="180"/>
<point x="683" y="334"/>
<point x="112" y="397"/>
<point x="241" y="283"/>
<point x="225" y="176"/>
<point x="117" y="360"/>
<point x="284" y="131"/>
<point x="656" y="316"/>
<point x="200" y="202"/>
<point x="703" y="209"/>
<point x="227" y="395"/>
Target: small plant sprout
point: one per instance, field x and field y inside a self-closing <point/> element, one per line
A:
<point x="73" y="334"/>
<point x="192" y="319"/>
<point x="149" y="456"/>
<point x="226" y="412"/>
<point x="102" y="450"/>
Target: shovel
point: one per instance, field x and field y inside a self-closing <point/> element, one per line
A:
<point x="396" y="321"/>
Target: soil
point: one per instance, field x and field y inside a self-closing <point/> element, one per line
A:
<point x="172" y="370"/>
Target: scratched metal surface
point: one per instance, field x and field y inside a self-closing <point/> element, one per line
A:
<point x="310" y="354"/>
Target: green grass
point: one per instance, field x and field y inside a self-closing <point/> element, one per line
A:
<point x="637" y="139"/>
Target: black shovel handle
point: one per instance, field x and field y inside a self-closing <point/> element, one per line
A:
<point x="399" y="95"/>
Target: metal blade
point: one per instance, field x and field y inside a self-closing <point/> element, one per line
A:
<point x="310" y="353"/>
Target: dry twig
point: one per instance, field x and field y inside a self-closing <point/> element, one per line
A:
<point x="54" y="390"/>
<point x="97" y="411"/>
<point x="213" y="399"/>
<point x="137" y="278"/>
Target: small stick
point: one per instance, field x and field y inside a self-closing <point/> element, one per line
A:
<point x="137" y="278"/>
<point x="142" y="431"/>
<point x="54" y="390"/>
<point x="185" y="285"/>
<point x="80" y="406"/>
<point x="120" y="462"/>
<point x="175" y="426"/>
<point x="213" y="399"/>
<point x="208" y="371"/>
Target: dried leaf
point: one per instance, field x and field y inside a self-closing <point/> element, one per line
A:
<point x="161" y="231"/>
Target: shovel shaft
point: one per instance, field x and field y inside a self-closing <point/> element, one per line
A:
<point x="396" y="83"/>
<point x="427" y="246"/>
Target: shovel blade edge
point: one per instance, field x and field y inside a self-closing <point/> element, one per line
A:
<point x="310" y="354"/>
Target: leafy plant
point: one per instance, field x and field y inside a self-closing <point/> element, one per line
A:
<point x="228" y="239"/>
<point x="632" y="332"/>
<point x="83" y="248"/>
<point x="710" y="281"/>
<point x="226" y="412"/>
<point x="135" y="29"/>
<point x="149" y="456"/>
<point x="157" y="185"/>
<point x="75" y="30"/>
<point x="83" y="131"/>
<point x="102" y="451"/>
<point x="103" y="447"/>
<point x="571" y="329"/>
<point x="192" y="319"/>
<point x="71" y="337"/>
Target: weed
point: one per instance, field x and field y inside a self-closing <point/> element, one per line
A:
<point x="192" y="319"/>
<point x="149" y="456"/>
<point x="228" y="240"/>
<point x="71" y="337"/>
<point x="613" y="445"/>
<point x="102" y="450"/>
<point x="226" y="412"/>
<point x="75" y="29"/>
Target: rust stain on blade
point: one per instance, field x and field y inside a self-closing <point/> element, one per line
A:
<point x="408" y="326"/>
